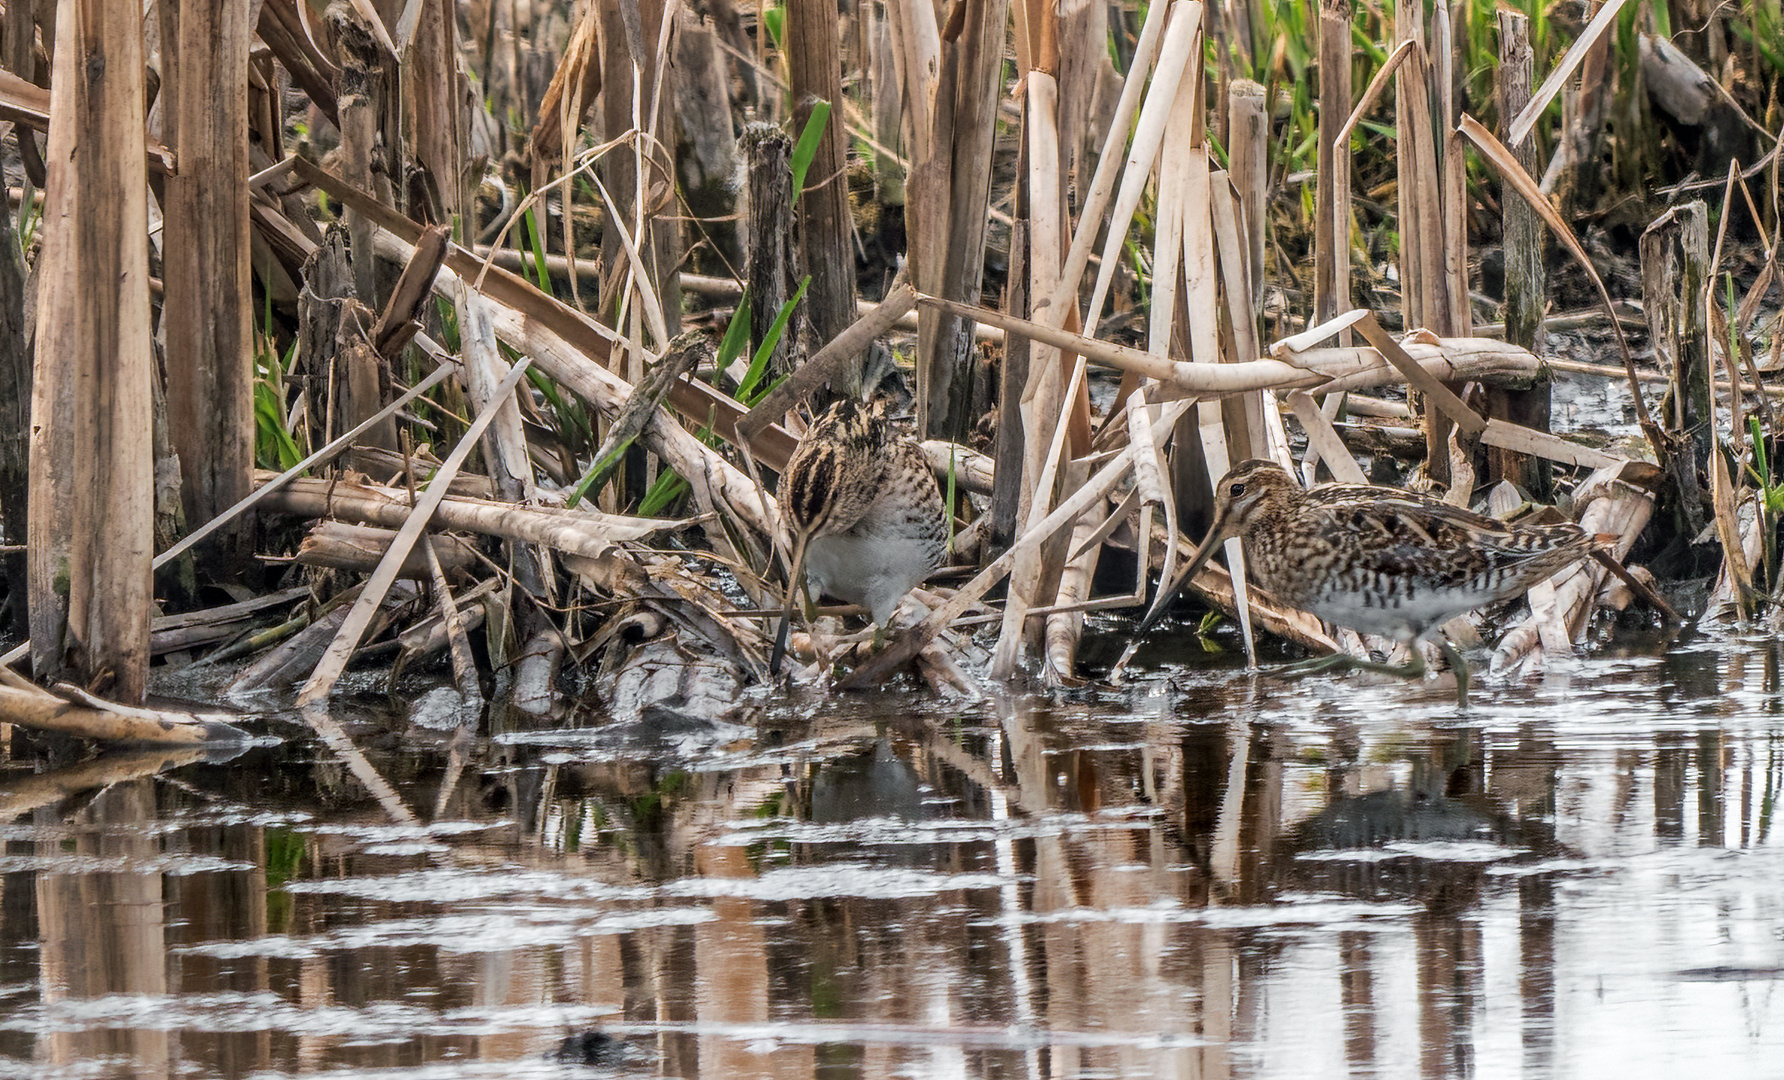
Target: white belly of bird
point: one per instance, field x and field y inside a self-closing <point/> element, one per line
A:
<point x="1423" y="611"/>
<point x="874" y="572"/>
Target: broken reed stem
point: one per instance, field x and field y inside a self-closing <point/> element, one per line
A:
<point x="316" y="458"/>
<point x="334" y="661"/>
<point x="1322" y="370"/>
<point x="1331" y="232"/>
<point x="1065" y="627"/>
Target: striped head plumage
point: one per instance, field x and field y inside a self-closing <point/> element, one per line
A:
<point x="830" y="479"/>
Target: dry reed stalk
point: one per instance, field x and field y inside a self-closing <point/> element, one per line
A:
<point x="91" y="527"/>
<point x="1331" y="231"/>
<point x="294" y="658"/>
<point x="1051" y="309"/>
<point x="334" y="661"/>
<point x="1222" y="433"/>
<point x="1725" y="490"/>
<point x="1167" y="278"/>
<point x="953" y="200"/>
<point x="283" y="27"/>
<point x="917" y="53"/>
<point x="1561" y="606"/>
<point x="1728" y="598"/>
<point x="1041" y="407"/>
<point x="1248" y="142"/>
<point x="1675" y="260"/>
<point x="633" y="46"/>
<point x="1530" y="442"/>
<point x="823" y="365"/>
<point x="72" y="711"/>
<point x="1248" y="432"/>
<point x="464" y="668"/>
<point x="1438" y="395"/>
<point x="638" y="275"/>
<point x="426" y="37"/>
<point x="1178" y="56"/>
<point x="319" y="456"/>
<point x="1152" y="489"/>
<point x="1320" y="370"/>
<point x="1064" y="627"/>
<point x="1415" y="158"/>
<point x="771" y="273"/>
<point x="1323" y="438"/>
<point x="226" y="613"/>
<point x="585" y="532"/>
<point x="1058" y="308"/>
<point x="1425" y="299"/>
<point x="1502" y="160"/>
<point x="1526" y="275"/>
<point x="1215" y="586"/>
<point x="1452" y="192"/>
<point x="574" y="367"/>
<point x="360" y="548"/>
<point x="971" y="470"/>
<point x="210" y="394"/>
<point x="882" y="68"/>
<point x="1601" y="20"/>
<point x="814" y="68"/>
<point x="505" y="452"/>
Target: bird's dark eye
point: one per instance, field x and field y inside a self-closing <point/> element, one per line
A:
<point x="1235" y="490"/>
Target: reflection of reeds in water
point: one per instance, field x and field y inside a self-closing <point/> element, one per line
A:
<point x="908" y="886"/>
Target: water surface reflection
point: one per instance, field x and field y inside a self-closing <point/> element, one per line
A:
<point x="1209" y="876"/>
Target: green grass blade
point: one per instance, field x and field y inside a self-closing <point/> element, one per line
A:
<point x="807" y="147"/>
<point x="536" y="244"/>
<point x="747" y="389"/>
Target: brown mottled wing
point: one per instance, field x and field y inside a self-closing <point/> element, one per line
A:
<point x="923" y="505"/>
<point x="1418" y="538"/>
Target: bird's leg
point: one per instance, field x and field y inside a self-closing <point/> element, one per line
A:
<point x="1412" y="669"/>
<point x="879" y="639"/>
<point x="1457" y="665"/>
<point x="1341" y="662"/>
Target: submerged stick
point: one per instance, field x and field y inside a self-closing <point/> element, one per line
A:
<point x="92" y="718"/>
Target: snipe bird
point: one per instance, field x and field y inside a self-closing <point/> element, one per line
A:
<point x="1379" y="560"/>
<point x="864" y="511"/>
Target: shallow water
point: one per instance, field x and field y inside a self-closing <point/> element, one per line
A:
<point x="1202" y="875"/>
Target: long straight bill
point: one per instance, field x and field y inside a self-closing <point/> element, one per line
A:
<point x="795" y="586"/>
<point x="1216" y="534"/>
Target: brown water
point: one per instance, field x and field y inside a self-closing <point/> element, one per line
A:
<point x="1209" y="876"/>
